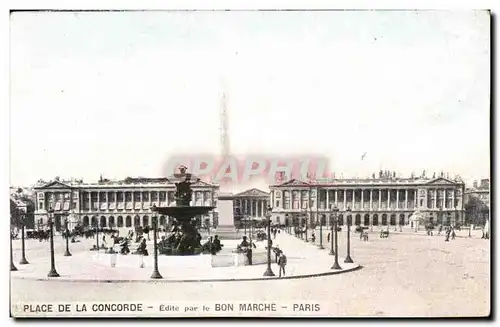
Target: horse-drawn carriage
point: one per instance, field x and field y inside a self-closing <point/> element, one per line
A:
<point x="384" y="234"/>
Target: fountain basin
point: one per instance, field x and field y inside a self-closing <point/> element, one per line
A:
<point x="184" y="212"/>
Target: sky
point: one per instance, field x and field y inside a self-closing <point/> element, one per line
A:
<point x="118" y="93"/>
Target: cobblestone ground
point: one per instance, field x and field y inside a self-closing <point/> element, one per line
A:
<point x="407" y="274"/>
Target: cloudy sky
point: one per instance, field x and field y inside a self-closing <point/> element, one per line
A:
<point x="117" y="93"/>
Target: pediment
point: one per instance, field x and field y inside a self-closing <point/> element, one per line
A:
<point x="254" y="192"/>
<point x="441" y="181"/>
<point x="295" y="182"/>
<point x="54" y="185"/>
<point x="202" y="183"/>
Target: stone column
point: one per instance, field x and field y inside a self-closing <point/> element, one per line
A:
<point x="388" y="198"/>
<point x="453" y="199"/>
<point x="435" y="198"/>
<point x="327" y="204"/>
<point x="371" y="201"/>
<point x="90" y="201"/>
<point x="397" y="199"/>
<point x="379" y="199"/>
<point x="362" y="199"/>
<point x="445" y="198"/>
<point x="406" y="198"/>
<point x="107" y="200"/>
<point x="415" y="200"/>
<point x="345" y="199"/>
<point x="353" y="198"/>
<point x="98" y="205"/>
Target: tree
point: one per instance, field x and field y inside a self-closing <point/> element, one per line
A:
<point x="476" y="211"/>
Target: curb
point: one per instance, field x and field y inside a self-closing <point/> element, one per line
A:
<point x="165" y="281"/>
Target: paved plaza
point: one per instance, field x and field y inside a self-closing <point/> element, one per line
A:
<point x="408" y="274"/>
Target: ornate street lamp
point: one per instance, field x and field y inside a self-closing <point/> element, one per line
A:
<point x="269" y="271"/>
<point x="349" y="221"/>
<point x="333" y="217"/>
<point x="12" y="266"/>
<point x="156" y="274"/>
<point x="305" y="225"/>
<point x="321" y="222"/>
<point x="246" y="223"/>
<point x="97" y="232"/>
<point x="23" y="252"/>
<point x="336" y="265"/>
<point x="67" y="253"/>
<point x="52" y="272"/>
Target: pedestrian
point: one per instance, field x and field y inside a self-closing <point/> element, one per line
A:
<point x="453" y="234"/>
<point x="447" y="239"/>
<point x="277" y="253"/>
<point x="313" y="237"/>
<point x="328" y="238"/>
<point x="249" y="255"/>
<point x="282" y="263"/>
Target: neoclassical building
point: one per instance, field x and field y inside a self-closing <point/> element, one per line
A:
<point x="250" y="204"/>
<point x="124" y="203"/>
<point x="373" y="201"/>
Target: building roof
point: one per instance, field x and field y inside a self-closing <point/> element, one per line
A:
<point x="254" y="192"/>
<point x="105" y="183"/>
<point x="368" y="181"/>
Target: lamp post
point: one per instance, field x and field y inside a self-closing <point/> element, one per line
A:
<point x="12" y="266"/>
<point x="333" y="217"/>
<point x="97" y="233"/>
<point x="336" y="265"/>
<point x="23" y="251"/>
<point x="348" y="258"/>
<point x="246" y="223"/>
<point x="67" y="253"/>
<point x="52" y="272"/>
<point x="156" y="274"/>
<point x="321" y="221"/>
<point x="269" y="271"/>
<point x="305" y="225"/>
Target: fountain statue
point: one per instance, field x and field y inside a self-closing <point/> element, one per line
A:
<point x="185" y="238"/>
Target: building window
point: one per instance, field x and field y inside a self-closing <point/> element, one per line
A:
<point x="73" y="205"/>
<point x="278" y="203"/>
<point x="277" y="194"/>
<point x="421" y="202"/>
<point x="40" y="206"/>
<point x="286" y="202"/>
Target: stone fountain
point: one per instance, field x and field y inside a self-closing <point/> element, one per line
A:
<point x="183" y="213"/>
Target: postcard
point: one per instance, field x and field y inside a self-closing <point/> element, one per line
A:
<point x="250" y="163"/>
